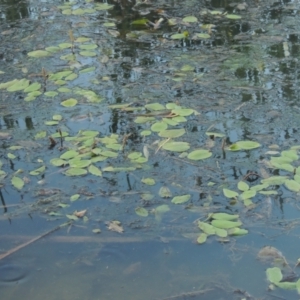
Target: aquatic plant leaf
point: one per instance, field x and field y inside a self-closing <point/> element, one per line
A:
<point x="170" y="122"/>
<point x="155" y="106"/>
<point x="75" y="172"/>
<point x="291" y="154"/>
<point x="268" y="192"/>
<point x="184" y="112"/>
<point x="187" y="68"/>
<point x="74" y="197"/>
<point x="247" y="145"/>
<point x="159" y="126"/>
<point x="57" y="162"/>
<point x="65" y="45"/>
<point x="243" y="186"/>
<point x="17" y="182"/>
<point x="19" y="85"/>
<point x="225" y="224"/>
<point x="202" y="35"/>
<point x="207" y="228"/>
<point x="286" y="285"/>
<point x="164" y="192"/>
<point x="147" y="196"/>
<point x="60" y="134"/>
<point x="69" y="102"/>
<point x="146" y="132"/>
<point x="259" y="187"/>
<point x="190" y="19"/>
<point x="161" y="209"/>
<point x="82" y="39"/>
<point x="51" y="123"/>
<point x="176" y="146"/>
<point x="103" y="6"/>
<point x="274" y="180"/>
<point x="69" y="154"/>
<point x="38" y="171"/>
<point x="57" y="117"/>
<point x="88" y="53"/>
<point x="32" y="87"/>
<point x="88" y="46"/>
<point x="234" y="147"/>
<point x="148" y="181"/>
<point x="237" y="231"/>
<point x="109" y="24"/>
<point x="229" y="193"/>
<point x="140" y="22"/>
<point x="52" y="49"/>
<point x="11" y="156"/>
<point x="178" y="36"/>
<point x="292" y="185"/>
<point x="118" y="169"/>
<point x="286" y="167"/>
<point x="179" y="119"/>
<point x="199" y="154"/>
<point x="248" y="194"/>
<point x="140" y="211"/>
<point x="78" y="163"/>
<point x="115" y="226"/>
<point x="297" y="178"/>
<point x="94" y="170"/>
<point x="181" y="199"/>
<point x="7" y="84"/>
<point x="51" y="94"/>
<point x="233" y="17"/>
<point x="202" y="238"/>
<point x="141" y="120"/>
<point x="38" y="53"/>
<point x="248" y="202"/>
<point x="274" y="275"/>
<point x="72" y="217"/>
<point x="87" y="70"/>
<point x="221" y="232"/>
<point x="71" y="77"/>
<point x="108" y="153"/>
<point x="223" y="216"/>
<point x="172" y="133"/>
<point x="59" y="75"/>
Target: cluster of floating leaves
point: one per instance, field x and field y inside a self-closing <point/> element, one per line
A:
<point x="221" y="225"/>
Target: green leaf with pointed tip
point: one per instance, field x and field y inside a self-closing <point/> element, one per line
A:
<point x="38" y="53"/>
<point x="199" y="154"/>
<point x="179" y="119"/>
<point x="38" y="171"/>
<point x="247" y="145"/>
<point x="75" y="172"/>
<point x="19" y="85"/>
<point x="286" y="167"/>
<point x="248" y="194"/>
<point x="274" y="180"/>
<point x="69" y="102"/>
<point x="292" y="185"/>
<point x="11" y="156"/>
<point x="148" y="181"/>
<point x="190" y="19"/>
<point x="94" y="170"/>
<point x="172" y="133"/>
<point x="159" y="126"/>
<point x="176" y="146"/>
<point x="87" y="70"/>
<point x="259" y="187"/>
<point x="140" y="22"/>
<point x="202" y="238"/>
<point x="51" y="94"/>
<point x="140" y="211"/>
<point x="57" y="162"/>
<point x="225" y="224"/>
<point x="69" y="154"/>
<point x="243" y="186"/>
<point x="164" y="192"/>
<point x="203" y="35"/>
<point x="155" y="106"/>
<point x="51" y="123"/>
<point x="274" y="275"/>
<point x="233" y="17"/>
<point x="88" y="46"/>
<point x="17" y="182"/>
<point x="229" y="193"/>
<point x="109" y="154"/>
<point x="178" y="36"/>
<point x="224" y="216"/>
<point x="207" y="228"/>
<point x="237" y="231"/>
<point x="71" y="77"/>
<point x="291" y="154"/>
<point x="221" y="232"/>
<point x="181" y="199"/>
<point x="52" y="49"/>
<point x="32" y="87"/>
<point x="74" y="197"/>
<point x="7" y="84"/>
<point x="78" y="163"/>
<point x="146" y="132"/>
<point x="65" y="45"/>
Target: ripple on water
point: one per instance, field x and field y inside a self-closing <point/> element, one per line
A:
<point x="13" y="273"/>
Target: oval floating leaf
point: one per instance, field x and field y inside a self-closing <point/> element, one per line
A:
<point x="172" y="133"/>
<point x="94" y="170"/>
<point x="190" y="19"/>
<point x="202" y="238"/>
<point x="224" y="216"/>
<point x="148" y="181"/>
<point x="69" y="102"/>
<point x="230" y="193"/>
<point x="199" y="154"/>
<point x="292" y="185"/>
<point x="207" y="228"/>
<point x="38" y="53"/>
<point x="225" y="224"/>
<point x="75" y="172"/>
<point x="274" y="275"/>
<point x="140" y="211"/>
<point x="233" y="17"/>
<point x="243" y="186"/>
<point x="159" y="126"/>
<point x="17" y="182"/>
<point x="181" y="199"/>
<point x="176" y="146"/>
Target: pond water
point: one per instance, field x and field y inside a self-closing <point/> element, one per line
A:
<point x="126" y="128"/>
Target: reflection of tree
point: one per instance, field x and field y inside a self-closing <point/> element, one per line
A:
<point x="14" y="10"/>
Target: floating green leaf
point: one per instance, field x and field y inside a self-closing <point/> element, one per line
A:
<point x="247" y="145"/>
<point x="32" y="87"/>
<point x="17" y="182"/>
<point x="165" y="192"/>
<point x="140" y="22"/>
<point x="172" y="133"/>
<point x="190" y="19"/>
<point x="103" y="6"/>
<point x="199" y="154"/>
<point x="38" y="171"/>
<point x="38" y="53"/>
<point x="94" y="170"/>
<point x="19" y="85"/>
<point x="140" y="211"/>
<point x="88" y="46"/>
<point x="57" y="162"/>
<point x="243" y="186"/>
<point x="207" y="228"/>
<point x="159" y="126"/>
<point x="274" y="180"/>
<point x="148" y="181"/>
<point x="154" y="106"/>
<point x="223" y="216"/>
<point x="178" y="36"/>
<point x="69" y="154"/>
<point x="221" y="232"/>
<point x="286" y="285"/>
<point x="181" y="199"/>
<point x="274" y="275"/>
<point x="203" y="35"/>
<point x="78" y="163"/>
<point x="225" y="224"/>
<point x="97" y="230"/>
<point x="237" y="231"/>
<point x="291" y="154"/>
<point x="202" y="238"/>
<point x="75" y="172"/>
<point x="74" y="197"/>
<point x="292" y="185"/>
<point x="248" y="194"/>
<point x="230" y="194"/>
<point x="88" y="53"/>
<point x="176" y="146"/>
<point x="233" y="17"/>
<point x="69" y="102"/>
